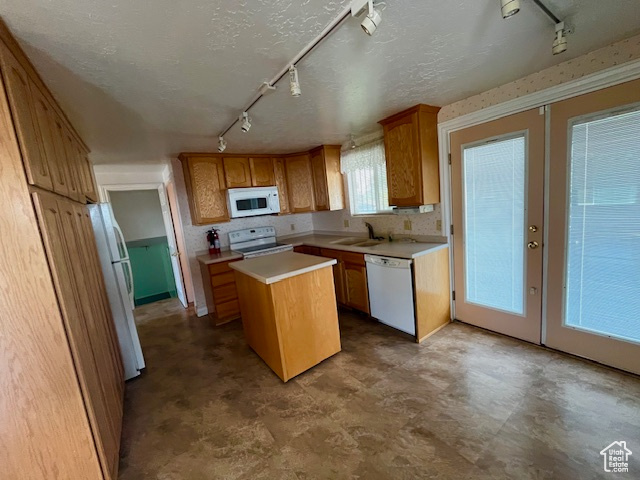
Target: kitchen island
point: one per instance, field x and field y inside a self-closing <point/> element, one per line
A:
<point x="289" y="310"/>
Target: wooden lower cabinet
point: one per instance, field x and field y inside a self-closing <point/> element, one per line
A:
<point x="220" y="291"/>
<point x="350" y="278"/>
<point x="292" y="324"/>
<point x="308" y="250"/>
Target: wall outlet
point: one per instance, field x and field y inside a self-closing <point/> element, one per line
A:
<point x="439" y="225"/>
<point x="407" y="224"/>
<point x="293" y="226"/>
<point x="346" y="223"/>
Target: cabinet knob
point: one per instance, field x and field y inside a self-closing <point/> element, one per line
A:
<point x="532" y="245"/>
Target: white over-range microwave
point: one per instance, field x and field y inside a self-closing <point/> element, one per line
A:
<point x="248" y="202"/>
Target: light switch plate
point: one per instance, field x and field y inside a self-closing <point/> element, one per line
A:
<point x="439" y="225"/>
<point x="346" y="223"/>
<point x="407" y="224"/>
<point x="293" y="226"/>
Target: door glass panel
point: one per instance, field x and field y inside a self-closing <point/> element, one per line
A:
<point x="494" y="223"/>
<point x="603" y="250"/>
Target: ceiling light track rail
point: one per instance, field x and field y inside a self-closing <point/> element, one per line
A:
<point x="328" y="30"/>
<point x="548" y="12"/>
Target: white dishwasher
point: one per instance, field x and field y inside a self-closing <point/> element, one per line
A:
<point x="391" y="292"/>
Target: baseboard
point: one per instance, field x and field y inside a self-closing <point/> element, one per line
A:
<point x="152" y="298"/>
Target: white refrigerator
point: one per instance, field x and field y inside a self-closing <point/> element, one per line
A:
<point x="118" y="278"/>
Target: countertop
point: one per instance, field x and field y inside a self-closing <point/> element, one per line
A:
<point x="270" y="269"/>
<point x="397" y="249"/>
<point x="224" y="256"/>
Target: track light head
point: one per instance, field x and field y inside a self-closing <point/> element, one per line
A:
<point x="222" y="144"/>
<point x="372" y="20"/>
<point x="560" y="41"/>
<point x="245" y="122"/>
<point x="509" y="8"/>
<point x="351" y="144"/>
<point x="294" y="82"/>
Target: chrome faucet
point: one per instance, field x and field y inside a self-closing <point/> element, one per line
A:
<point x="372" y="235"/>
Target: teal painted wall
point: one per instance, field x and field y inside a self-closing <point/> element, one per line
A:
<point x="151" y="266"/>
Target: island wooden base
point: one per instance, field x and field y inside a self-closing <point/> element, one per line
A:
<point x="291" y="324"/>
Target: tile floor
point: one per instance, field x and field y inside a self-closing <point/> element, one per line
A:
<point x="466" y="404"/>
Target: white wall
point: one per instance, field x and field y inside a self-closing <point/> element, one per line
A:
<point x="139" y="214"/>
<point x="195" y="237"/>
<point x="129" y="174"/>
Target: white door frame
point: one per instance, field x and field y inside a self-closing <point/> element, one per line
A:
<point x="168" y="224"/>
<point x="587" y="84"/>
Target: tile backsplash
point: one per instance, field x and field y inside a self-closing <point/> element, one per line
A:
<point x="422" y="225"/>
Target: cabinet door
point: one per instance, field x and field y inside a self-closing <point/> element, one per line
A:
<point x="262" y="174"/>
<point x="355" y="286"/>
<point x="88" y="178"/>
<point x="237" y="172"/>
<point x="17" y="85"/>
<point x="319" y="174"/>
<point x="53" y="146"/>
<point x="204" y="178"/>
<point x="404" y="177"/>
<point x="60" y="259"/>
<point x="300" y="183"/>
<point x="74" y="168"/>
<point x="281" y="182"/>
<point x="338" y="278"/>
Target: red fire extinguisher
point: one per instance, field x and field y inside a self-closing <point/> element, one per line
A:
<point x="214" y="241"/>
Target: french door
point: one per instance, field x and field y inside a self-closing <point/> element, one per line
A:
<point x="593" y="306"/>
<point x="497" y="180"/>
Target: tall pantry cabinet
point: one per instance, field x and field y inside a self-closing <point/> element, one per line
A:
<point x="62" y="376"/>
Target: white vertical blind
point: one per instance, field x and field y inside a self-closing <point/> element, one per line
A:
<point x="366" y="172"/>
<point x="494" y="203"/>
<point x="603" y="244"/>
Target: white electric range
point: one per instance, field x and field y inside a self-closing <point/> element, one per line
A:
<point x="255" y="242"/>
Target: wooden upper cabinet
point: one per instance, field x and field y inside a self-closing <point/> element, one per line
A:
<point x="300" y="183"/>
<point x="22" y="109"/>
<point x="52" y="144"/>
<point x="87" y="175"/>
<point x="205" y="181"/>
<point x="237" y="172"/>
<point x="280" y="175"/>
<point x="262" y="172"/>
<point x="328" y="183"/>
<point x="74" y="167"/>
<point x="411" y="147"/>
<point x="319" y="179"/>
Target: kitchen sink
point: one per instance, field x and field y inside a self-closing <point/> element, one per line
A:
<point x="348" y="241"/>
<point x="368" y="243"/>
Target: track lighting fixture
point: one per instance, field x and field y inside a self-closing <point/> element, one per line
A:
<point x="560" y="42"/>
<point x="510" y="8"/>
<point x="265" y="88"/>
<point x="222" y="144"/>
<point x="372" y="20"/>
<point x="294" y="83"/>
<point x="245" y="122"/>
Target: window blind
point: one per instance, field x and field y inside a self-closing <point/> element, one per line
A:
<point x="603" y="241"/>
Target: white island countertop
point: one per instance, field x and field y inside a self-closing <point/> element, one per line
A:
<point x="273" y="268"/>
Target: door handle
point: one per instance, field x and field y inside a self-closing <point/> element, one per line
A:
<point x="532" y="245"/>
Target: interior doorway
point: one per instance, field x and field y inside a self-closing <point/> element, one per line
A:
<point x="144" y="216"/>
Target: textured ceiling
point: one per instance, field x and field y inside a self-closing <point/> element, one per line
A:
<point x="146" y="79"/>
